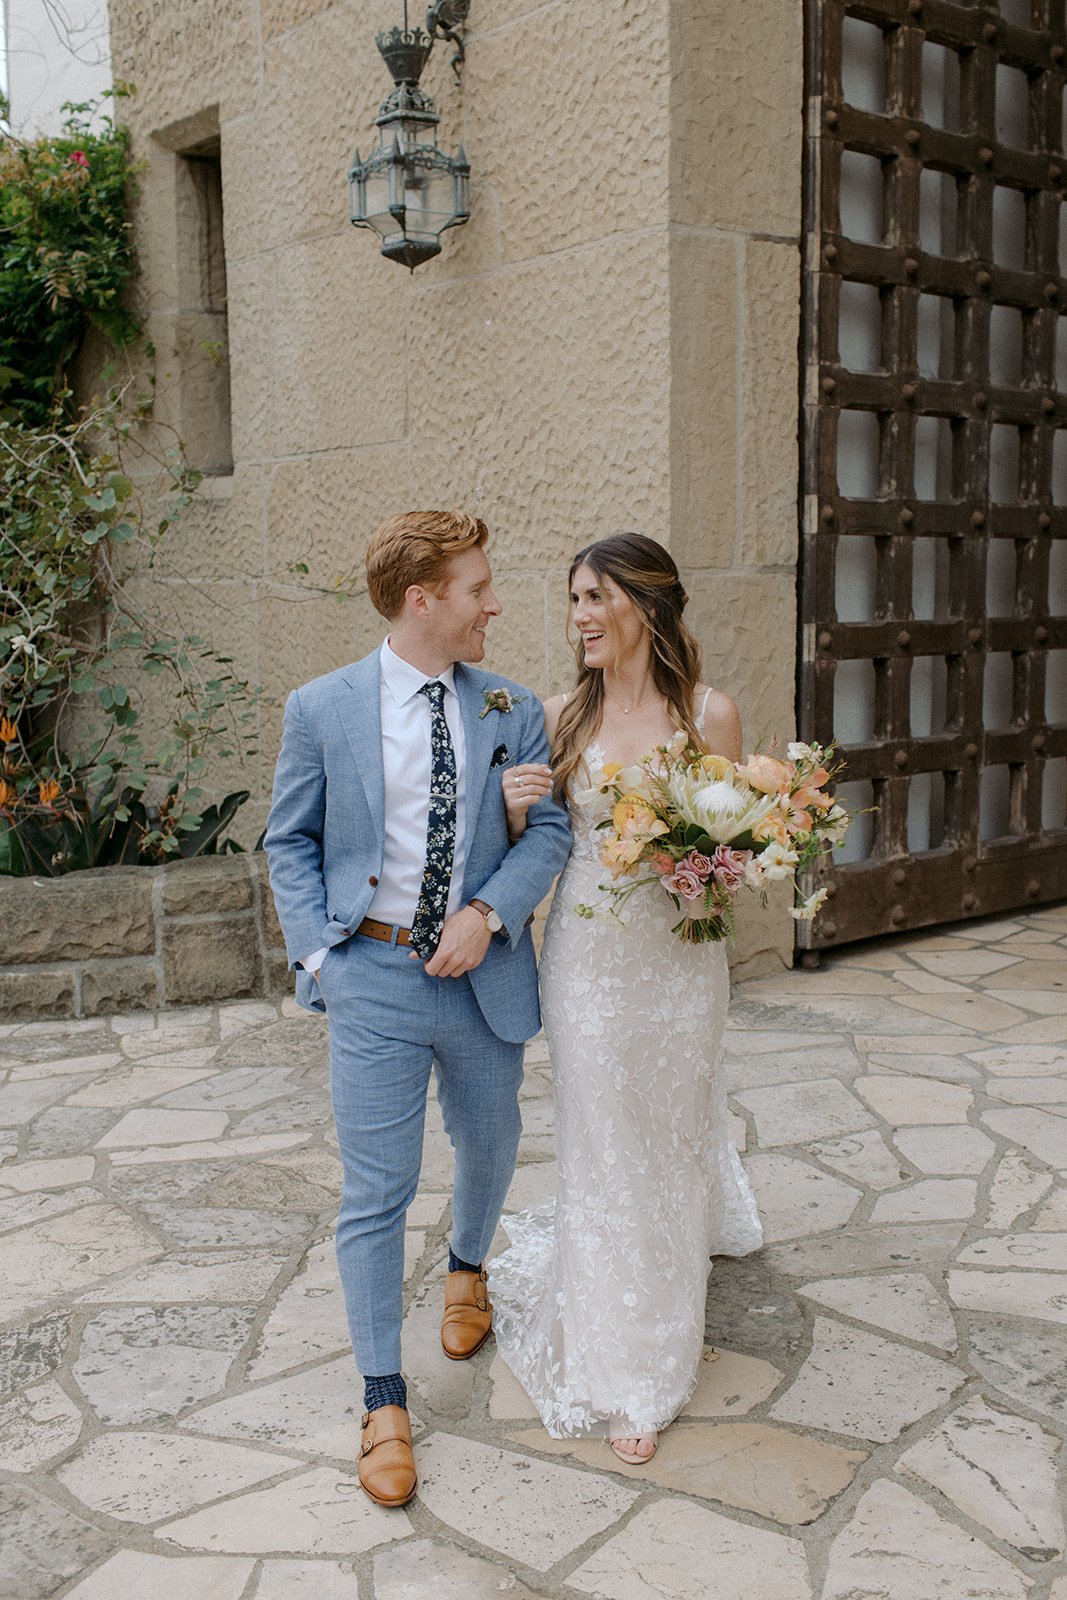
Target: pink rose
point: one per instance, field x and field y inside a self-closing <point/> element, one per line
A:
<point x="79" y="159"/>
<point x="729" y="867"/>
<point x="695" y="862"/>
<point x="684" y="883"/>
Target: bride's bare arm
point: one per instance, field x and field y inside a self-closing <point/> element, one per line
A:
<point x="553" y="707"/>
<point x="722" y="725"/>
<point x="524" y="785"/>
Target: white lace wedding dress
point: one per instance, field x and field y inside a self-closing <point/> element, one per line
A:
<point x="599" y="1303"/>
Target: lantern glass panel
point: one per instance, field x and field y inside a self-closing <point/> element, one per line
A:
<point x="425" y="190"/>
<point x="376" y="201"/>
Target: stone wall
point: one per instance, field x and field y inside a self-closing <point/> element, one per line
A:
<point x="132" y="938"/>
<point x="610" y="342"/>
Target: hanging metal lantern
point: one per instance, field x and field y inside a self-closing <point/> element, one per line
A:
<point x="408" y="190"/>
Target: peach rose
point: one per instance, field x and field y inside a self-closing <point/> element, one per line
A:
<point x="772" y="827"/>
<point x="766" y="774"/>
<point x="621" y="855"/>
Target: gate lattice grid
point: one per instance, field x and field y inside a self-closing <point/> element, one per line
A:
<point x="934" y="555"/>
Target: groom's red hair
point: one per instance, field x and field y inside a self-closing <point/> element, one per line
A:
<point x="416" y="547"/>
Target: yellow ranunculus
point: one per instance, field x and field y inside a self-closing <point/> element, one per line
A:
<point x="634" y="818"/>
<point x="716" y="766"/>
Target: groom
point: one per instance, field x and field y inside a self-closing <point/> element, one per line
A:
<point x="406" y="912"/>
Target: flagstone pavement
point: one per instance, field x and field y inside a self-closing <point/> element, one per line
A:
<point x="882" y="1400"/>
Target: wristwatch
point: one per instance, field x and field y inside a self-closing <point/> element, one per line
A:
<point x="492" y="918"/>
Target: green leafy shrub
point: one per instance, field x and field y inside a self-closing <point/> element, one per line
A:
<point x="77" y="781"/>
<point x="81" y="496"/>
<point x="66" y="254"/>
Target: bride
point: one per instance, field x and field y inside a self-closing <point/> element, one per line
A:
<point x="599" y="1308"/>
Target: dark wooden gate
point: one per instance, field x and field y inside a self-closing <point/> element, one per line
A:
<point x="934" y="556"/>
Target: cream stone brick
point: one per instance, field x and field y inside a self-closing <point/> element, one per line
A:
<point x="305" y="635"/>
<point x="155" y="220"/>
<point x="597" y="163"/>
<point x="764" y="941"/>
<point x="322" y="86"/>
<point x="491" y="17"/>
<point x="339" y="350"/>
<point x="515" y="644"/>
<point x="259" y="379"/>
<point x="224" y="614"/>
<point x="703" y="405"/>
<point x="745" y="622"/>
<point x="561" y="663"/>
<point x="183" y="58"/>
<point x="552" y="424"/>
<point x="221" y="533"/>
<point x="768" y="532"/>
<point x="242" y="174"/>
<point x="279" y="16"/>
<point x="323" y="509"/>
<point x="736" y="105"/>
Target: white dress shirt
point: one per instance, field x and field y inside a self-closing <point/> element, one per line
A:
<point x="406" y="764"/>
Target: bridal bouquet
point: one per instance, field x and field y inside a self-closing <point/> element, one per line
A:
<point x="700" y="828"/>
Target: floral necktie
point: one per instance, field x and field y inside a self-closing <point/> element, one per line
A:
<point x="440" y="828"/>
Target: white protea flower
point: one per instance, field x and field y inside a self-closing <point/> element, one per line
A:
<point x="722" y="809"/>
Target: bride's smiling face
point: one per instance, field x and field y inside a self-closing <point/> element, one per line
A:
<point x="612" y="627"/>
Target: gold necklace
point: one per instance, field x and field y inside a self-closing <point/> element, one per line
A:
<point x="627" y="709"/>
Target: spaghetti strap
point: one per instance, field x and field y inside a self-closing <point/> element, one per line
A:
<point x="703" y="708"/>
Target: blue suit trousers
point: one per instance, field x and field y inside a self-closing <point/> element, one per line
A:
<point x="390" y="1025"/>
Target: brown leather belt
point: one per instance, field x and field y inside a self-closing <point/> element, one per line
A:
<point x="384" y="930"/>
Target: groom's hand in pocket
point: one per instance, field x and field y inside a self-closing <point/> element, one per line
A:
<point x="464" y="942"/>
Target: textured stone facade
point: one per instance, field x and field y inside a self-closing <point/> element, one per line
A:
<point x="610" y="342"/>
<point x="134" y="938"/>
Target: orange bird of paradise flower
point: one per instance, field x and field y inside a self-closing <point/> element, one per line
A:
<point x="8" y="731"/>
<point x="48" y="790"/>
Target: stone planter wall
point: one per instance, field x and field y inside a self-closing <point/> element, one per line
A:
<point x="132" y="938"/>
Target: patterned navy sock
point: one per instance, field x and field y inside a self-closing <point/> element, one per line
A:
<point x="456" y="1265"/>
<point x="390" y="1390"/>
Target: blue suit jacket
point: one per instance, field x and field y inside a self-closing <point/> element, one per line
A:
<point x="325" y="837"/>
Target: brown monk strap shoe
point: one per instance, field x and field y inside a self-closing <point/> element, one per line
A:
<point x="468" y="1319"/>
<point x="386" y="1462"/>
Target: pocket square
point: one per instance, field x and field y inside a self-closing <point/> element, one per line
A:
<point x="501" y="757"/>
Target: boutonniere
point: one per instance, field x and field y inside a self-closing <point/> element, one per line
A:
<point x="501" y="700"/>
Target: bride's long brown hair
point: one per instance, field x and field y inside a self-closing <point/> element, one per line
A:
<point x="647" y="575"/>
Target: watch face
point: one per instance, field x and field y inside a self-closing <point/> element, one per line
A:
<point x="493" y="922"/>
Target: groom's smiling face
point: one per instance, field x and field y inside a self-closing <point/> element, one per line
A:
<point x="459" y="612"/>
